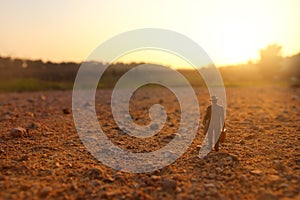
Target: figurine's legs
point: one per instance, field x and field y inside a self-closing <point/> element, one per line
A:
<point x="210" y="138"/>
<point x="217" y="145"/>
<point x="217" y="138"/>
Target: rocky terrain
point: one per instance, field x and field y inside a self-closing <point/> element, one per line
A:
<point x="42" y="157"/>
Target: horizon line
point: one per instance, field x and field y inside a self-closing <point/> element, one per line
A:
<point x="249" y="61"/>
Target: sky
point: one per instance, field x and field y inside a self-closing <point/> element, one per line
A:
<point x="230" y="31"/>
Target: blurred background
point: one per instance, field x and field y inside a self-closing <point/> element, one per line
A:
<point x="43" y="43"/>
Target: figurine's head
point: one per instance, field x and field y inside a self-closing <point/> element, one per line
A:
<point x="214" y="99"/>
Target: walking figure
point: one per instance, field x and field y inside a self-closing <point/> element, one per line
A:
<point x="214" y="123"/>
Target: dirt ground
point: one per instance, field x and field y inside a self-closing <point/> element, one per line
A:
<point x="46" y="160"/>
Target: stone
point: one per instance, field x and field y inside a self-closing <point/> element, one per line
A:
<point x="212" y="175"/>
<point x="250" y="137"/>
<point x="274" y="178"/>
<point x="256" y="172"/>
<point x="87" y="104"/>
<point x="242" y="142"/>
<point x="109" y="179"/>
<point x="254" y="127"/>
<point x="154" y="177"/>
<point x="169" y="185"/>
<point x="218" y="170"/>
<point x="278" y="166"/>
<point x="243" y="179"/>
<point x="24" y="158"/>
<point x="232" y="157"/>
<point x="30" y="100"/>
<point x="169" y="154"/>
<point x="209" y="185"/>
<point x="42" y="97"/>
<point x="94" y="173"/>
<point x="283" y="185"/>
<point x="18" y="132"/>
<point x="74" y="186"/>
<point x="66" y="111"/>
<point x="45" y="192"/>
<point x="280" y="118"/>
<point x="177" y="136"/>
<point x="57" y="164"/>
<point x="34" y="125"/>
<point x="29" y="114"/>
<point x="95" y="183"/>
<point x="154" y="126"/>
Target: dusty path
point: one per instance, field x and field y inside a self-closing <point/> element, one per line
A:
<point x="259" y="160"/>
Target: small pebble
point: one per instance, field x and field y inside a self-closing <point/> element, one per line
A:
<point x="169" y="185"/>
<point x="18" y="132"/>
<point x="256" y="172"/>
<point x="66" y="111"/>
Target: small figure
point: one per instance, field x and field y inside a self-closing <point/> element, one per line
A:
<point x="214" y="123"/>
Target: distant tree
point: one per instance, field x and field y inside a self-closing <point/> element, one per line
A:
<point x="292" y="66"/>
<point x="270" y="61"/>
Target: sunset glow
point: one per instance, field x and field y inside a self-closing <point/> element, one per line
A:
<point x="229" y="31"/>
